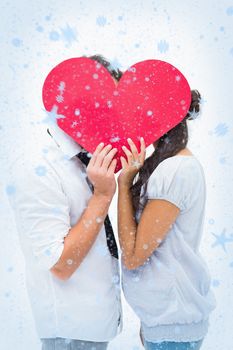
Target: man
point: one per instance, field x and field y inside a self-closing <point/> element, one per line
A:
<point x="60" y="208"/>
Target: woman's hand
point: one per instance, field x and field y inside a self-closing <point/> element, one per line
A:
<point x="134" y="162"/>
<point x="100" y="171"/>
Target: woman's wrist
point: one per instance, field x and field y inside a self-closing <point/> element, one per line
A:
<point x="124" y="186"/>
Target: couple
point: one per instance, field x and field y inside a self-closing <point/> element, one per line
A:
<point x="60" y="206"/>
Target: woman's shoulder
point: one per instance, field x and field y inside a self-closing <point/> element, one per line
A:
<point x="183" y="162"/>
<point x="181" y="168"/>
<point x="177" y="179"/>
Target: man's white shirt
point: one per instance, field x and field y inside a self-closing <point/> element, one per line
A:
<point x="51" y="193"/>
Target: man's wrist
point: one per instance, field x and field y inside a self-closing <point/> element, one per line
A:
<point x="104" y="198"/>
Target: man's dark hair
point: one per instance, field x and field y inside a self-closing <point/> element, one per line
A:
<point x="115" y="73"/>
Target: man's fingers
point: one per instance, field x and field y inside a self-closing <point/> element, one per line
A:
<point x="96" y="152"/>
<point x="109" y="157"/>
<point x="112" y="167"/>
<point x="101" y="155"/>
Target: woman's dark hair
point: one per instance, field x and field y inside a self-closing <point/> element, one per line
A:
<point x="115" y="73"/>
<point x="167" y="146"/>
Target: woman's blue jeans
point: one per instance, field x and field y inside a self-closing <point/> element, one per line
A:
<point x="167" y="345"/>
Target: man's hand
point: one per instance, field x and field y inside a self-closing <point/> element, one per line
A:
<point x="100" y="171"/>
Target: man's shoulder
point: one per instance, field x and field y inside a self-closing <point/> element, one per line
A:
<point x="34" y="157"/>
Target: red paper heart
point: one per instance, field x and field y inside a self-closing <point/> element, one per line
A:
<point x="151" y="98"/>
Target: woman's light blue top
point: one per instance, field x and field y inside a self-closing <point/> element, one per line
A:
<point x="171" y="292"/>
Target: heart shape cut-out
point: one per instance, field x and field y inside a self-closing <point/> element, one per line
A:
<point x="151" y="98"/>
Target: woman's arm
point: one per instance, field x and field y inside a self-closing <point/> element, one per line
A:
<point x="139" y="241"/>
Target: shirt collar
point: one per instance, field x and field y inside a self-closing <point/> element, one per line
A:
<point x="68" y="146"/>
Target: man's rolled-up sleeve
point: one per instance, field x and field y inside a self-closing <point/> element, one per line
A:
<point x="41" y="212"/>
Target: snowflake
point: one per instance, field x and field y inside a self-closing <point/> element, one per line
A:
<point x="132" y="69"/>
<point x="149" y="113"/>
<point x="47" y="252"/>
<point x="109" y="103"/>
<point x="52" y="116"/>
<point x="221" y="239"/>
<point x="115" y="139"/>
<point x="54" y="36"/>
<point x="222" y="160"/>
<point x="221" y="129"/>
<point x="215" y="283"/>
<point x="136" y="164"/>
<point x="229" y="11"/>
<point x="17" y="42"/>
<point x="193" y="114"/>
<point x="10" y="189"/>
<point x="163" y="46"/>
<point x="61" y="87"/>
<point x="115" y="64"/>
<point x="40" y="29"/>
<point x="99" y="220"/>
<point x="74" y="124"/>
<point x="101" y="21"/>
<point x="59" y="98"/>
<point x="69" y="35"/>
<point x="41" y="170"/>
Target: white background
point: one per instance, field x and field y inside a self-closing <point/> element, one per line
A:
<point x="196" y="37"/>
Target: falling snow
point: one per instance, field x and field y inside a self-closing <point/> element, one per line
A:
<point x="101" y="21"/>
<point x="221" y="129"/>
<point x="163" y="46"/>
<point x="40" y="170"/>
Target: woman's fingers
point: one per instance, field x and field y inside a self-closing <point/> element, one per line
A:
<point x="108" y="158"/>
<point x="133" y="148"/>
<point x="128" y="155"/>
<point x="123" y="162"/>
<point x="142" y="155"/>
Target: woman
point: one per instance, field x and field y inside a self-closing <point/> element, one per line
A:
<point x="160" y="222"/>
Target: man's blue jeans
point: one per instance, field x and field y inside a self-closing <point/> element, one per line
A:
<point x="71" y="344"/>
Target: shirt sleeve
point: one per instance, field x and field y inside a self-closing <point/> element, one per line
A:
<point x="41" y="212"/>
<point x="170" y="182"/>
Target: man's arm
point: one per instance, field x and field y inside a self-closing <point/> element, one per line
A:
<point x="83" y="234"/>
